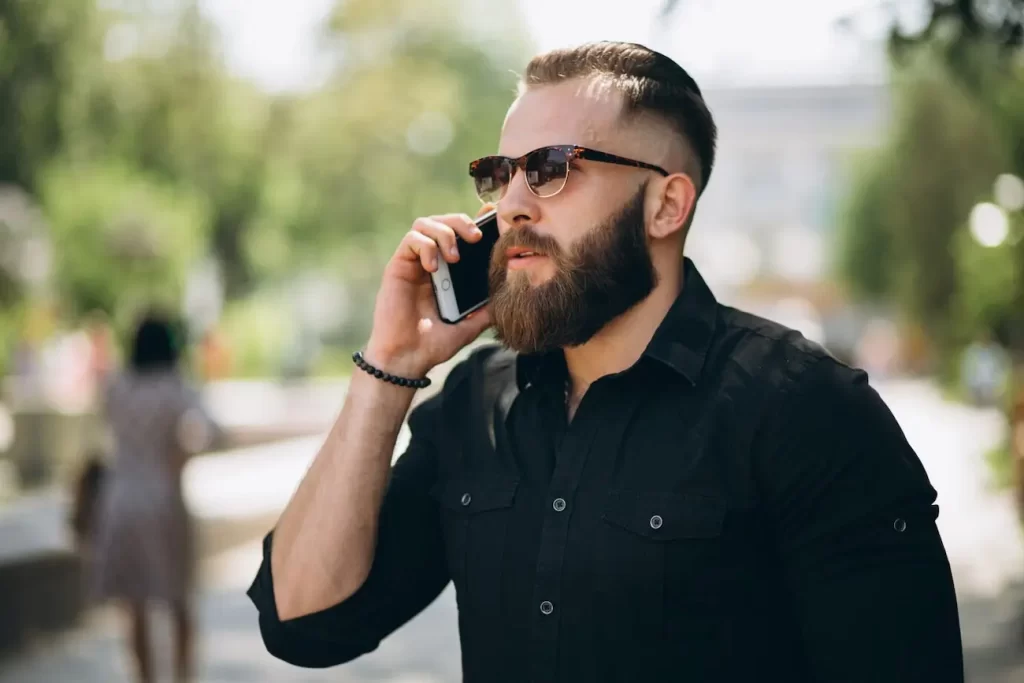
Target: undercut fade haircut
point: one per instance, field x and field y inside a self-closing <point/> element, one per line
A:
<point x="651" y="83"/>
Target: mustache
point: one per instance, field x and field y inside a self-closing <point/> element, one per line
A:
<point x="527" y="238"/>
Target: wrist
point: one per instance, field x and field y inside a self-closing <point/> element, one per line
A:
<point x="405" y="365"/>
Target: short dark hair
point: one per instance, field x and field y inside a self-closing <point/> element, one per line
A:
<point x="155" y="346"/>
<point x="651" y="83"/>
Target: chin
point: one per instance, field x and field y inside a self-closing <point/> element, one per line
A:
<point x="539" y="277"/>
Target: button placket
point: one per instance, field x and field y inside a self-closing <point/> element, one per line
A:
<point x="547" y="586"/>
<point x="573" y="453"/>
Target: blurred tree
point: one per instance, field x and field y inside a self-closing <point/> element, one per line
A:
<point x="47" y="50"/>
<point x="958" y="86"/>
<point x="959" y="93"/>
<point x="414" y="98"/>
<point x="145" y="154"/>
<point x="962" y="24"/>
<point x="171" y="108"/>
<point x="981" y="42"/>
<point x="121" y="239"/>
<point x="911" y="199"/>
<point x="955" y="29"/>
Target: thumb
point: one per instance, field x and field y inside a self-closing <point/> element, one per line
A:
<point x="476" y="323"/>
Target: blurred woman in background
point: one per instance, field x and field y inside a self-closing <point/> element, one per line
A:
<point x="144" y="551"/>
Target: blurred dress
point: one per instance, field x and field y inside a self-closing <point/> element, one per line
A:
<point x="143" y="544"/>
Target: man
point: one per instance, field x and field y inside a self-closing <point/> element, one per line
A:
<point x="643" y="485"/>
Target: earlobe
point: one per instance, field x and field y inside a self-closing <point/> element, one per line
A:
<point x="675" y="204"/>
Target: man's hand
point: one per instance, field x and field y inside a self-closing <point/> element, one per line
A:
<point x="408" y="337"/>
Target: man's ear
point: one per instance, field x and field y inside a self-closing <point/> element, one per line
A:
<point x="674" y="200"/>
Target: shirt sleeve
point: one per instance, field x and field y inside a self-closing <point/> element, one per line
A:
<point x="409" y="569"/>
<point x="855" y="524"/>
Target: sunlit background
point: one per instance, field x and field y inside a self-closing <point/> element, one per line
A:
<point x="251" y="164"/>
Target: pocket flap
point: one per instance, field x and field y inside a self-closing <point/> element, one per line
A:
<point x="666" y="516"/>
<point x="470" y="496"/>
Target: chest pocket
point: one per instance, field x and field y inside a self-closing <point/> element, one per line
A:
<point x="474" y="516"/>
<point x="656" y="548"/>
<point x="669" y="567"/>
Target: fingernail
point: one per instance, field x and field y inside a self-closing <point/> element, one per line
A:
<point x="454" y="250"/>
<point x="477" y="231"/>
<point x="433" y="261"/>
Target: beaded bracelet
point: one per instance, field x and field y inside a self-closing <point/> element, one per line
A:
<point x="361" y="363"/>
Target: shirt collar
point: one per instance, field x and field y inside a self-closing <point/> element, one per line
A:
<point x="681" y="341"/>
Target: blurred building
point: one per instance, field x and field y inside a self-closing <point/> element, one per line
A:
<point x="766" y="227"/>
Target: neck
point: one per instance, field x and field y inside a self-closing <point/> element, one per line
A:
<point x="621" y="342"/>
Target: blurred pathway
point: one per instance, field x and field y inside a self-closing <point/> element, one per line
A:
<point x="979" y="528"/>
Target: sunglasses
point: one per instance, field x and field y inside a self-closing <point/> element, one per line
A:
<point x="546" y="170"/>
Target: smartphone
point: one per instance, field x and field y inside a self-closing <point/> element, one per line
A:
<point x="462" y="287"/>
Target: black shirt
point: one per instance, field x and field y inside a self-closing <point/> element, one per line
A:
<point x="737" y="506"/>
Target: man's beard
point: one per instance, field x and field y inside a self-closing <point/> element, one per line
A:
<point x="604" y="274"/>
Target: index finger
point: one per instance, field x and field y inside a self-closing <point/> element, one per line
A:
<point x="462" y="224"/>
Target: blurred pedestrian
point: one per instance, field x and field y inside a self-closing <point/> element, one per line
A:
<point x="144" y="550"/>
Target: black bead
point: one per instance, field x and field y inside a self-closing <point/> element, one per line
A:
<point x="363" y="365"/>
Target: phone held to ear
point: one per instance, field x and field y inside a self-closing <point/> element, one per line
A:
<point x="462" y="287"/>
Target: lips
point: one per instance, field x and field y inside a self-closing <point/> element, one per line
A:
<point x="521" y="252"/>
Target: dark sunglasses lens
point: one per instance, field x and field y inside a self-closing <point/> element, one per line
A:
<point x="546" y="171"/>
<point x="491" y="176"/>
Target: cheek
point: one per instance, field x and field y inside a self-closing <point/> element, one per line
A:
<point x="589" y="204"/>
<point x="569" y="224"/>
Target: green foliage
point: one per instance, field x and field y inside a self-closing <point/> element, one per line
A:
<point x="146" y="155"/>
<point x="257" y="330"/>
<point x="1000" y="462"/>
<point x="991" y="283"/>
<point x="864" y="234"/>
<point x="404" y="126"/>
<point x="46" y="52"/>
<point x="904" y="229"/>
<point x="121" y="239"/>
<point x="387" y="139"/>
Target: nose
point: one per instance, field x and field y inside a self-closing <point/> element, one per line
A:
<point x="518" y="206"/>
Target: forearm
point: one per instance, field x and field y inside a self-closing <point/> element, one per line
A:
<point x="883" y="610"/>
<point x="324" y="542"/>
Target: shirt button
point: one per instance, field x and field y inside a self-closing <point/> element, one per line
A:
<point x="559" y="504"/>
<point x="656" y="522"/>
<point x="466" y="499"/>
<point x="546" y="607"/>
<point x="899" y="525"/>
